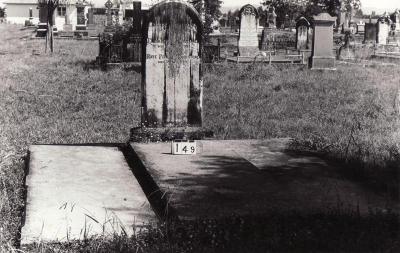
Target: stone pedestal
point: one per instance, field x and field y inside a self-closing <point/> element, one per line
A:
<point x="322" y="47"/>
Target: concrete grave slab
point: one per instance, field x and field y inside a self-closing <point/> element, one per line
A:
<point x="243" y="176"/>
<point x="75" y="192"/>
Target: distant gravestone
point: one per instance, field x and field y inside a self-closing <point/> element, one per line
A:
<point x="271" y="18"/>
<point x="171" y="69"/>
<point x="90" y="19"/>
<point x="341" y="20"/>
<point x="81" y="20"/>
<point x="322" y="49"/>
<point x="109" y="25"/>
<point x="383" y="30"/>
<point x="396" y="16"/>
<point x="370" y="33"/>
<point x="302" y="26"/>
<point x="361" y="27"/>
<point x="248" y="37"/>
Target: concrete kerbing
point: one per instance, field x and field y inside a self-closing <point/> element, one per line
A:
<point x="76" y="192"/>
<point x="250" y="176"/>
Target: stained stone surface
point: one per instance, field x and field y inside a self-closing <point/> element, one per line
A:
<point x="75" y="192"/>
<point x="171" y="78"/>
<point x="243" y="176"/>
<point x="322" y="49"/>
<point x="248" y="38"/>
<point x="370" y="33"/>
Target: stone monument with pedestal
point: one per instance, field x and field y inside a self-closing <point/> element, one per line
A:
<point x="302" y="26"/>
<point x="322" y="43"/>
<point x="248" y="37"/>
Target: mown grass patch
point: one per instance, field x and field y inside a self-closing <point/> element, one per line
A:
<point x="348" y="114"/>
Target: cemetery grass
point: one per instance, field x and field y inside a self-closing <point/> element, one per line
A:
<point x="348" y="115"/>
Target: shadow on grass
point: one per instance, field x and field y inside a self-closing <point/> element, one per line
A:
<point x="101" y="65"/>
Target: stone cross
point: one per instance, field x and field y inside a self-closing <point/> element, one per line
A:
<point x="109" y="5"/>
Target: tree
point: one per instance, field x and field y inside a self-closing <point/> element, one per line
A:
<point x="309" y="8"/>
<point x="51" y="6"/>
<point x="359" y="13"/>
<point x="292" y="9"/>
<point x="211" y="12"/>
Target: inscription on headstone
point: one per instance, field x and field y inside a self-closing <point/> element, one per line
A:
<point x="248" y="38"/>
<point x="171" y="76"/>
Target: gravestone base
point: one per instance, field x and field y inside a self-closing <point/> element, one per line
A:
<point x="248" y="51"/>
<point x="80" y="27"/>
<point x="81" y="33"/>
<point x="345" y="53"/>
<point x="322" y="62"/>
<point x="162" y="134"/>
<point x="67" y="27"/>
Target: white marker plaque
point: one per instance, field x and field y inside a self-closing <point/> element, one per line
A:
<point x="183" y="147"/>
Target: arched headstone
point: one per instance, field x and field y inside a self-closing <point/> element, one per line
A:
<point x="302" y="26"/>
<point x="383" y="30"/>
<point x="171" y="66"/>
<point x="248" y="38"/>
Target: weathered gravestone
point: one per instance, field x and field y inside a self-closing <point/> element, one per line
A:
<point x="248" y="38"/>
<point x="171" y="66"/>
<point x="302" y="26"/>
<point x="360" y="27"/>
<point x="42" y="28"/>
<point x="396" y="17"/>
<point x="370" y="33"/>
<point x="341" y="20"/>
<point x="271" y="18"/>
<point x="90" y="19"/>
<point x="322" y="47"/>
<point x="109" y="28"/>
<point x="383" y="30"/>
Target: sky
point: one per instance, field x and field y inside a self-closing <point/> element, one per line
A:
<point x="387" y="5"/>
